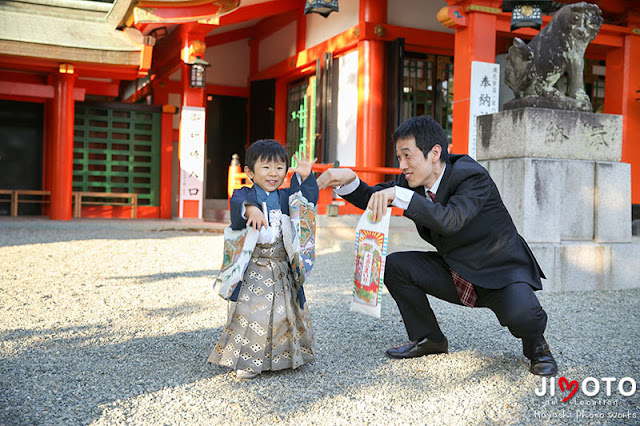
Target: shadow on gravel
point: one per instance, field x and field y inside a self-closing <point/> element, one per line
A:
<point x="69" y="375"/>
<point x="25" y="232"/>
<point x="166" y="276"/>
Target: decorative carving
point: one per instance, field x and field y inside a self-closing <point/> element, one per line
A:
<point x="533" y="71"/>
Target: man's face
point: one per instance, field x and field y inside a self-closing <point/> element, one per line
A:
<point x="417" y="169"/>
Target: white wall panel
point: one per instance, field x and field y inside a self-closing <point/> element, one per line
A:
<point x="345" y="112"/>
<point x="229" y="63"/>
<point x="278" y="46"/>
<point x="419" y="14"/>
<point x="320" y="29"/>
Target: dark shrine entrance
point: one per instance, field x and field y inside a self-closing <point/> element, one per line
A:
<point x="21" y="145"/>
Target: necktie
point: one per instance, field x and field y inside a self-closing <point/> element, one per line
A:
<point x="465" y="290"/>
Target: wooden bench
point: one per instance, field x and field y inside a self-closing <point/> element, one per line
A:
<point x="10" y="199"/>
<point x="14" y="198"/>
<point x="18" y="192"/>
<point x="129" y="200"/>
<point x="15" y="194"/>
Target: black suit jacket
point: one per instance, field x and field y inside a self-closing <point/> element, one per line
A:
<point x="469" y="226"/>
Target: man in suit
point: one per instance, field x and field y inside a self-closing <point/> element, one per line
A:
<point x="481" y="260"/>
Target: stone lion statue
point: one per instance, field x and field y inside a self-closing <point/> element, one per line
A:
<point x="533" y="70"/>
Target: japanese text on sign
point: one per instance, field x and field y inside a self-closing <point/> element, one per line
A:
<point x="192" y="153"/>
<point x="485" y="91"/>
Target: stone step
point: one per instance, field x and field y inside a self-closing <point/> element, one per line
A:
<point x="340" y="231"/>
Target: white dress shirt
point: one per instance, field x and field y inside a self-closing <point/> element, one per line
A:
<point x="403" y="195"/>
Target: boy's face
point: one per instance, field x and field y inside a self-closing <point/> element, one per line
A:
<point x="268" y="175"/>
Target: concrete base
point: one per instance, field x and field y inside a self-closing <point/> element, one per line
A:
<point x="548" y="133"/>
<point x="339" y="232"/>
<point x="556" y="200"/>
<point x="586" y="266"/>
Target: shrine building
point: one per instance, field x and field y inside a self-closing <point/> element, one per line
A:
<point x="122" y="108"/>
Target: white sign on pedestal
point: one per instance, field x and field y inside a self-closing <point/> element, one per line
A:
<point x="484" y="96"/>
<point x="192" y="128"/>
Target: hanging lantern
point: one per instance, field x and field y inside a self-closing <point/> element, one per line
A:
<point x="198" y="78"/>
<point x="322" y="7"/>
<point x="526" y="13"/>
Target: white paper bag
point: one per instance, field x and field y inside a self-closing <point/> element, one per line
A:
<point x="238" y="248"/>
<point x="371" y="253"/>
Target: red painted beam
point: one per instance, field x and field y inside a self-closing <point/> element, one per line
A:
<point x="412" y="36"/>
<point x="22" y="77"/>
<point x="609" y="35"/>
<point x="228" y="37"/>
<point x="119" y="72"/>
<point x="259" y="11"/>
<point x="38" y="91"/>
<point x="99" y="88"/>
<point x="219" y="90"/>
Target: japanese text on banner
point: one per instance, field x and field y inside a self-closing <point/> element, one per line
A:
<point x="485" y="91"/>
<point x="192" y="128"/>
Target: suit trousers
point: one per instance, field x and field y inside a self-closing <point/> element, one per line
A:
<point x="411" y="276"/>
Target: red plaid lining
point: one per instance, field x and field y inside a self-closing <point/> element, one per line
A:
<point x="465" y="290"/>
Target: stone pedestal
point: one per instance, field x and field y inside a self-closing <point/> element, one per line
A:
<point x="569" y="196"/>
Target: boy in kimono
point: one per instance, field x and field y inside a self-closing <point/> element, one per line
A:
<point x="269" y="326"/>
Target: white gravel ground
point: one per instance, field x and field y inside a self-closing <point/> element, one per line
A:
<point x="111" y="322"/>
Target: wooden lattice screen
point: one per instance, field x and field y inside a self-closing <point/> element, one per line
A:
<point x="117" y="149"/>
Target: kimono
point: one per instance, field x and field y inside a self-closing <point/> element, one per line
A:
<point x="263" y="272"/>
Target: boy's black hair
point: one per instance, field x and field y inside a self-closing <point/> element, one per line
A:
<point x="265" y="150"/>
<point x="427" y="133"/>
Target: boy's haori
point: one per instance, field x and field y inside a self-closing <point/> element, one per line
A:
<point x="298" y="206"/>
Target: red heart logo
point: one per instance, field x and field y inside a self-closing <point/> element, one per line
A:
<point x="571" y="386"/>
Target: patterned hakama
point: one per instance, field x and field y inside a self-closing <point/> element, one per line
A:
<point x="266" y="328"/>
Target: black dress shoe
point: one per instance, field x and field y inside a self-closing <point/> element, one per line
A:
<point x="419" y="348"/>
<point x="542" y="362"/>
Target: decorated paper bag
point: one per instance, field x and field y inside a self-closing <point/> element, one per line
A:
<point x="371" y="252"/>
<point x="238" y="248"/>
<point x="303" y="227"/>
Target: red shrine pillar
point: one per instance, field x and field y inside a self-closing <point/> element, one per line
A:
<point x="62" y="120"/>
<point x="161" y="97"/>
<point x="475" y="41"/>
<point x="191" y="199"/>
<point x="621" y="97"/>
<point x="372" y="77"/>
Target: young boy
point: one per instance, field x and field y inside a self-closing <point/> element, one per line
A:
<point x="269" y="326"/>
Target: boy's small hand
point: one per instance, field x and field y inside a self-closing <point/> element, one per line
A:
<point x="255" y="218"/>
<point x="304" y="167"/>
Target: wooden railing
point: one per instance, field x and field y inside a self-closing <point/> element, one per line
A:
<point x="129" y="199"/>
<point x="14" y="198"/>
<point x="77" y="196"/>
<point x="327" y="204"/>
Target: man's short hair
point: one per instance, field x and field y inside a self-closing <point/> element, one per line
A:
<point x="427" y="133"/>
<point x="265" y="150"/>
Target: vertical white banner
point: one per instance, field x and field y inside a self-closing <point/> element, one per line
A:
<point x="192" y="128"/>
<point x="484" y="96"/>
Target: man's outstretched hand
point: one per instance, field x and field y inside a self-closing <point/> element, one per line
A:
<point x="379" y="202"/>
<point x="336" y="177"/>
